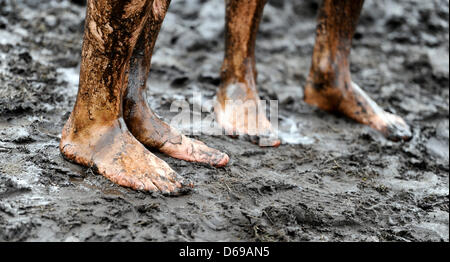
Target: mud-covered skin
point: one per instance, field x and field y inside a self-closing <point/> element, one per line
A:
<point x="95" y="134"/>
<point x="329" y="85"/>
<point x="350" y="184"/>
<point x="114" y="153"/>
<point x="243" y="114"/>
<point x="143" y="123"/>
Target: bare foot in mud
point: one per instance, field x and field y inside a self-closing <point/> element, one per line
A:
<point x="151" y="131"/>
<point x="350" y="100"/>
<point x="239" y="112"/>
<point x="114" y="153"/>
<point x="329" y="84"/>
<point x="238" y="109"/>
<point x="143" y="123"/>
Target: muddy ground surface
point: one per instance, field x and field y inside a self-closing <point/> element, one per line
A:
<point x="331" y="180"/>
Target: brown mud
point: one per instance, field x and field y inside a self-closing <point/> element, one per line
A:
<point x="331" y="180"/>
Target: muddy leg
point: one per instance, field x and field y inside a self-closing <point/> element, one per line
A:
<point x="142" y="122"/>
<point x="95" y="134"/>
<point x="243" y="116"/>
<point x="329" y="84"/>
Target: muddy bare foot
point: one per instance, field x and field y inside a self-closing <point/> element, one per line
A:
<point x="350" y="100"/>
<point x="96" y="135"/>
<point x="239" y="112"/>
<point x="114" y="153"/>
<point x="330" y="85"/>
<point x="150" y="130"/>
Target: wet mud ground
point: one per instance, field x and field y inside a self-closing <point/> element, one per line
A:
<point x="331" y="180"/>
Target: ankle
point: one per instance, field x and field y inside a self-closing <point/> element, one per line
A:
<point x="329" y="66"/>
<point x="242" y="72"/>
<point x="326" y="74"/>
